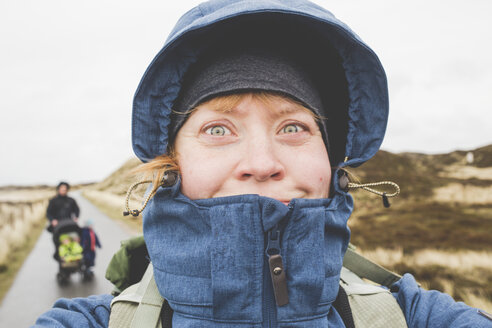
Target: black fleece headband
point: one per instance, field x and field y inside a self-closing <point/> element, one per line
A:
<point x="243" y="71"/>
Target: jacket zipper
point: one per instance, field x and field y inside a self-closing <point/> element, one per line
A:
<point x="276" y="267"/>
<point x="269" y="308"/>
<point x="274" y="279"/>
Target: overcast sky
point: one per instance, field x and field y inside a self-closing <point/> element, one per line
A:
<point x="68" y="71"/>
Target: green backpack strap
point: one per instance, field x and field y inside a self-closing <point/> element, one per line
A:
<point x="367" y="269"/>
<point x="149" y="309"/>
<point x="139" y="305"/>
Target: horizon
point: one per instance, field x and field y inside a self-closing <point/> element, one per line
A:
<point x="82" y="183"/>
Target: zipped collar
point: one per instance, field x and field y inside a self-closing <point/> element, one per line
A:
<point x="210" y="263"/>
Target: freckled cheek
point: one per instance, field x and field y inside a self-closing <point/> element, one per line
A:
<point x="315" y="174"/>
<point x="202" y="176"/>
<point x="322" y="187"/>
<point x="196" y="185"/>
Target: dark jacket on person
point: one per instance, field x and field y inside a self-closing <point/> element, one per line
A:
<point x="62" y="208"/>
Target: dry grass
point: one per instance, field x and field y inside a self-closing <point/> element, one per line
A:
<point x="415" y="225"/>
<point x="460" y="261"/>
<point x="112" y="200"/>
<point x="25" y="194"/>
<point x="16" y="257"/>
<point x="466" y="172"/>
<point x="478" y="300"/>
<point x="21" y="221"/>
<point x="119" y="181"/>
<point x="465" y="275"/>
<point x="16" y="222"/>
<point x="463" y="193"/>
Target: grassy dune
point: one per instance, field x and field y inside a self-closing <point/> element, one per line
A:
<point x="109" y="195"/>
<point x="439" y="228"/>
<point x="415" y="225"/>
<point x="465" y="275"/>
<point x="113" y="206"/>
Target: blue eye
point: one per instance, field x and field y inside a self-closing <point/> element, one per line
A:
<point x="290" y="128"/>
<point x="217" y="130"/>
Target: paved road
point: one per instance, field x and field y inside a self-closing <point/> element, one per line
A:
<point x="35" y="288"/>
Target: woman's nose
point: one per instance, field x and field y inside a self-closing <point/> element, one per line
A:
<point x="260" y="162"/>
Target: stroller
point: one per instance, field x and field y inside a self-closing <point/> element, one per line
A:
<point x="68" y="254"/>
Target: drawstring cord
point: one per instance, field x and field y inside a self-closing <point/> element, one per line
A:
<point x="384" y="195"/>
<point x="168" y="179"/>
<point x="346" y="185"/>
<point x="127" y="200"/>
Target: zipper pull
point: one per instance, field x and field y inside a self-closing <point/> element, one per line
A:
<point x="277" y="272"/>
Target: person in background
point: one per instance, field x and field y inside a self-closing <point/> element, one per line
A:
<point x="61" y="207"/>
<point x="89" y="243"/>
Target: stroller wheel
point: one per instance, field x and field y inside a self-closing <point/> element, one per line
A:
<point x="88" y="275"/>
<point x="62" y="278"/>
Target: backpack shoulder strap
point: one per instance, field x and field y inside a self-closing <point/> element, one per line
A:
<point x="342" y="305"/>
<point x="371" y="306"/>
<point x="367" y="269"/>
<point x="139" y="305"/>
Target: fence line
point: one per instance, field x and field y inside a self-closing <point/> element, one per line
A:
<point x="16" y="222"/>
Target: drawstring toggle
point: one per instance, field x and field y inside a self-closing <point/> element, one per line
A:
<point x="168" y="180"/>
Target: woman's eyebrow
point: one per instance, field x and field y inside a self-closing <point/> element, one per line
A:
<point x="276" y="111"/>
<point x="287" y="109"/>
<point x="291" y="109"/>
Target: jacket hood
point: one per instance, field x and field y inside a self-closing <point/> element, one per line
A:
<point x="359" y="125"/>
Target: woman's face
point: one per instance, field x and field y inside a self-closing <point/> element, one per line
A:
<point x="272" y="149"/>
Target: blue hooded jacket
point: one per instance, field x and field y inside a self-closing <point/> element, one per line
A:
<point x="208" y="255"/>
